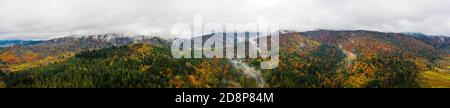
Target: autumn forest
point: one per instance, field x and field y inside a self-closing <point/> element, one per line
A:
<point x="312" y="59"/>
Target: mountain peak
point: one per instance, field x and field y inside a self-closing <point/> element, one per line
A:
<point x="287" y="31"/>
<point x="105" y="37"/>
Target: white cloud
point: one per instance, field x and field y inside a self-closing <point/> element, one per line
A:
<point x="44" y="19"/>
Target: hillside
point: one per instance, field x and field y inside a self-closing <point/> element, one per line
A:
<point x="330" y="59"/>
<point x="18" y="58"/>
<point x="135" y="66"/>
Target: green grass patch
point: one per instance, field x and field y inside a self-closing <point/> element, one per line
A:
<point x="439" y="78"/>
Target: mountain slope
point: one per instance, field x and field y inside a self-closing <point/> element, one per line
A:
<point x="21" y="57"/>
<point x="326" y="58"/>
<point x="135" y="66"/>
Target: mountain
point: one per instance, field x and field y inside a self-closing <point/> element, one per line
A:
<point x="440" y="42"/>
<point x="356" y="58"/>
<point x="381" y="42"/>
<point x="228" y="38"/>
<point x="152" y="40"/>
<point x="311" y="59"/>
<point x="7" y="43"/>
<point x="79" y="43"/>
<point x="66" y="47"/>
<point x="82" y="43"/>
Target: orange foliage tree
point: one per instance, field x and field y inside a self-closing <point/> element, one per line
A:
<point x="9" y="58"/>
<point x="30" y="57"/>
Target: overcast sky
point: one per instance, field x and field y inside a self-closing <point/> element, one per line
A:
<point x="45" y="19"/>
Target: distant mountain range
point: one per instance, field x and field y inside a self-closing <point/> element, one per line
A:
<point x="7" y="43"/>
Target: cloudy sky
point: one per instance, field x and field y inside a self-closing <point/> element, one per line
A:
<point x="45" y="19"/>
